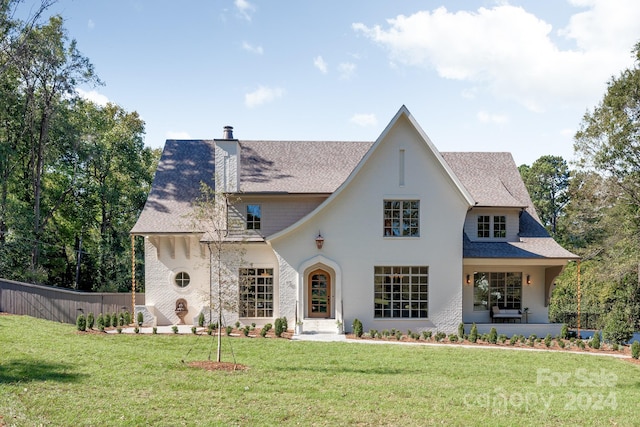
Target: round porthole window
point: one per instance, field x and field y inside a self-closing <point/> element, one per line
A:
<point x="182" y="279"/>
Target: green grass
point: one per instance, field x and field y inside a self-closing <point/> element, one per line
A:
<point x="51" y="375"/>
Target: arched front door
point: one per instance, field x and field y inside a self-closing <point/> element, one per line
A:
<point x="319" y="294"/>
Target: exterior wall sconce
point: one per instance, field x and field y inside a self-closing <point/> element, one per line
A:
<point x="319" y="241"/>
<point x="468" y="279"/>
<point x="528" y="279"/>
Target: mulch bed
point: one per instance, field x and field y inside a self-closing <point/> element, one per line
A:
<point x="209" y="365"/>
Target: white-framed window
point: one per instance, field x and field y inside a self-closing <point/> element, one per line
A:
<point x="499" y="226"/>
<point x="256" y="292"/>
<point x="401" y="218"/>
<point x="484" y="226"/>
<point x="492" y="226"/>
<point x="254" y="217"/>
<point x="401" y="292"/>
<point x="503" y="289"/>
<point x="182" y="279"/>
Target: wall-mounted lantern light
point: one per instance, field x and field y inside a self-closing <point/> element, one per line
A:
<point x="468" y="279"/>
<point x="528" y="279"/>
<point x="319" y="241"/>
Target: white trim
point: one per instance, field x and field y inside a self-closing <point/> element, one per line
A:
<point x="302" y="270"/>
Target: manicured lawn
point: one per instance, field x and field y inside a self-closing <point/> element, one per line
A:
<point x="51" y="375"/>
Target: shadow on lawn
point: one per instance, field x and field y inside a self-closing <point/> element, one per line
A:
<point x="33" y="370"/>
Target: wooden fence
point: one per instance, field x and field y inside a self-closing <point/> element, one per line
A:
<point x="60" y="305"/>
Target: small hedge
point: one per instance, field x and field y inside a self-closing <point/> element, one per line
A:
<point x="357" y="328"/>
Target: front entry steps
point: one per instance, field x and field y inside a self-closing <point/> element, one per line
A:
<point x="320" y="326"/>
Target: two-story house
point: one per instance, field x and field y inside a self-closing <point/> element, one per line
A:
<point x="391" y="232"/>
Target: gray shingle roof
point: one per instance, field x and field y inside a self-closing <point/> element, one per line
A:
<point x="298" y="166"/>
<point x="320" y="167"/>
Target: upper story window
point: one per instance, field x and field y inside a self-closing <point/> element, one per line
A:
<point x="253" y="217"/>
<point x="402" y="218"/>
<point x="492" y="226"/>
<point x="499" y="226"/>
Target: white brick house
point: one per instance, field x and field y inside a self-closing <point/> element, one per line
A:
<point x="411" y="238"/>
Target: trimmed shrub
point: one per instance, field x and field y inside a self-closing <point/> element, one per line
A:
<point x="140" y="318"/>
<point x="502" y="338"/>
<point x="564" y="332"/>
<point x="136" y="330"/>
<point x="580" y="344"/>
<point x="238" y="325"/>
<point x="453" y="338"/>
<point x="513" y="340"/>
<point x="560" y="343"/>
<point x="595" y="341"/>
<point x="635" y="350"/>
<point x="245" y="330"/>
<point x="616" y="347"/>
<point x="100" y="322"/>
<point x="154" y="330"/>
<point x="461" y="330"/>
<point x="493" y="336"/>
<point x="373" y="333"/>
<point x="547" y="340"/>
<point x="279" y="327"/>
<point x="114" y="319"/>
<point x="440" y="336"/>
<point x="398" y="335"/>
<point x="201" y="320"/>
<point x="121" y="320"/>
<point x="357" y="328"/>
<point x="81" y="322"/>
<point x="473" y="335"/>
<point x="127" y="318"/>
<point x="174" y="328"/>
<point x="193" y="330"/>
<point x="285" y="325"/>
<point x="228" y="330"/>
<point x="91" y="320"/>
<point x="426" y="335"/>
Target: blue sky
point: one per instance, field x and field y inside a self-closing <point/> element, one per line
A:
<point x="477" y="75"/>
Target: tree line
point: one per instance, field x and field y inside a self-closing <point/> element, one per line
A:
<point x="74" y="175"/>
<point x="592" y="207"/>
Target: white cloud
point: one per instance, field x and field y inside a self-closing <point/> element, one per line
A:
<point x="253" y="49"/>
<point x="508" y="50"/>
<point x="93" y="96"/>
<point x="364" y="119"/>
<point x="177" y="135"/>
<point x="347" y="70"/>
<point x="319" y="63"/>
<point x="245" y="9"/>
<point x="262" y="95"/>
<point x="485" y="117"/>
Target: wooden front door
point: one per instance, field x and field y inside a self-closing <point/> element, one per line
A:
<point x="319" y="294"/>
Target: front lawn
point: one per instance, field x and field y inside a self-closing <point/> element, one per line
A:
<point x="52" y="375"/>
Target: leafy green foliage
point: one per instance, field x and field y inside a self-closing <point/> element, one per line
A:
<point x="595" y="341"/>
<point x="461" y="330"/>
<point x="617" y="328"/>
<point x="91" y="320"/>
<point x="357" y="328"/>
<point x="635" y="350"/>
<point x="81" y="322"/>
<point x="493" y="336"/>
<point x="279" y="327"/>
<point x="473" y="335"/>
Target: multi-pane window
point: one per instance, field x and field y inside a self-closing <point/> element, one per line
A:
<point x="182" y="279"/>
<point x="256" y="292"/>
<point x="401" y="292"/>
<point x="501" y="289"/>
<point x="402" y="218"/>
<point x="253" y="217"/>
<point x="499" y="226"/>
<point x="484" y="225"/>
<point x="492" y="226"/>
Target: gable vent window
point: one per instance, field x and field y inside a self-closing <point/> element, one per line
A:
<point x="182" y="279"/>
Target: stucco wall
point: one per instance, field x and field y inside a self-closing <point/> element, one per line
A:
<point x="352" y="226"/>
